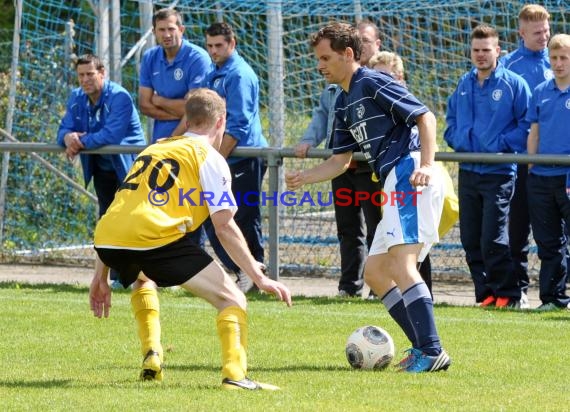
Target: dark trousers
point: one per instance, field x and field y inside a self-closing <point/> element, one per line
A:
<point x="105" y="184"/>
<point x="519" y="228"/>
<point x="247" y="175"/>
<point x="483" y="223"/>
<point x="549" y="209"/>
<point x="355" y="226"/>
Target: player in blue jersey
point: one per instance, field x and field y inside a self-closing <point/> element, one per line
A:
<point x="168" y="71"/>
<point x="375" y="114"/>
<point x="355" y="223"/>
<point x="486" y="113"/>
<point x="549" y="185"/>
<point x="530" y="61"/>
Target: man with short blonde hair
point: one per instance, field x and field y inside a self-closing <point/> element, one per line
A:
<point x="549" y="205"/>
<point x="149" y="242"/>
<point x="530" y="60"/>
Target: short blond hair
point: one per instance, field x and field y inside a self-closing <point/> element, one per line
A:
<point x="559" y="41"/>
<point x="390" y="59"/>
<point x="533" y="12"/>
<point x="204" y="107"/>
<point x="385" y="58"/>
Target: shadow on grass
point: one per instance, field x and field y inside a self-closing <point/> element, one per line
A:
<point x="558" y="318"/>
<point x="288" y="368"/>
<point x="55" y="287"/>
<point x="54" y="383"/>
<point x="313" y="300"/>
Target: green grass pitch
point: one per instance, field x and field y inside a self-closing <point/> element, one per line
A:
<point x="54" y="355"/>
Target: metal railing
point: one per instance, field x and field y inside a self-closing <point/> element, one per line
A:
<point x="274" y="157"/>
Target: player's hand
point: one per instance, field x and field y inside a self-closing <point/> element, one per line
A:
<point x="294" y="180"/>
<point x="278" y="289"/>
<point x="100" y="297"/>
<point x="301" y="150"/>
<point x="421" y="176"/>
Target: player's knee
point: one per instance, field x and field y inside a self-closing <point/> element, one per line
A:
<point x="143" y="283"/>
<point x="233" y="298"/>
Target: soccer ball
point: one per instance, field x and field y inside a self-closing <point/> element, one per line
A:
<point x="369" y="347"/>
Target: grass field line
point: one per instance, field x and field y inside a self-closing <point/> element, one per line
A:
<point x="525" y="319"/>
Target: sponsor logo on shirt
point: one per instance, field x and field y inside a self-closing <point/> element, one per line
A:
<point x="178" y="74"/>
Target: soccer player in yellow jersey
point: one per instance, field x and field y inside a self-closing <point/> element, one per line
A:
<point x="173" y="186"/>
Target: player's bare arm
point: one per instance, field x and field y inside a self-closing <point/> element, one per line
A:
<point x="235" y="245"/>
<point x="99" y="290"/>
<point x="330" y="168"/>
<point x="149" y="109"/>
<point x="427" y="130"/>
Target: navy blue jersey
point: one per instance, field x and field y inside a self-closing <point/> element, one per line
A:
<point x="377" y="117"/>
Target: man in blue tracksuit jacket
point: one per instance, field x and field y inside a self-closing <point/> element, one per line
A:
<point x="486" y="113"/>
<point x="235" y="81"/>
<point x="530" y="61"/>
<point x="99" y="113"/>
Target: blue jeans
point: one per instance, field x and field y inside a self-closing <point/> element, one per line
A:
<point x="484" y="201"/>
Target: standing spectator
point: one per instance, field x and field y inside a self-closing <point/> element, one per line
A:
<point x="486" y="114"/>
<point x="98" y="113"/>
<point x="235" y="81"/>
<point x="530" y="60"/>
<point x="355" y="223"/>
<point x="168" y="71"/>
<point x="148" y="242"/>
<point x="375" y="114"/>
<point x="549" y="185"/>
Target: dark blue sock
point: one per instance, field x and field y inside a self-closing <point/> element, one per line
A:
<point x="419" y="307"/>
<point x="395" y="305"/>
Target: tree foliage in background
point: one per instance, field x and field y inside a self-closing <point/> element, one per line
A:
<point x="6" y="33"/>
<point x="7" y="17"/>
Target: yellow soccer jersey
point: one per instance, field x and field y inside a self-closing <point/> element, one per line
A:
<point x="170" y="190"/>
